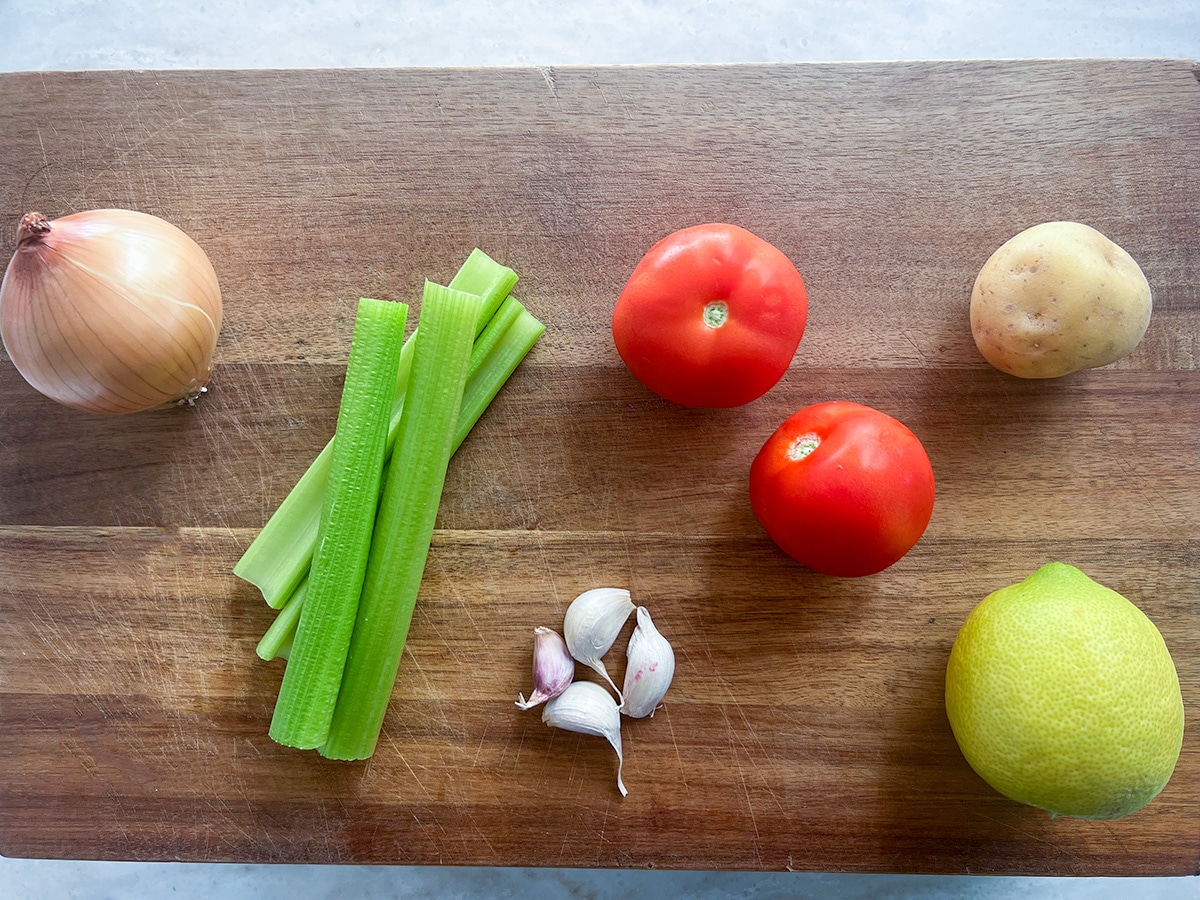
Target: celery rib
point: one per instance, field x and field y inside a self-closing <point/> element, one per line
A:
<point x="313" y="675"/>
<point x="496" y="367"/>
<point x="498" y="352"/>
<point x="278" y="559"/>
<point x="277" y="640"/>
<point x="407" y="513"/>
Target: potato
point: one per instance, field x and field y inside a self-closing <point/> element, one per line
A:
<point x="1057" y="298"/>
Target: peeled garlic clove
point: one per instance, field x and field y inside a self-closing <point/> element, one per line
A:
<point x="587" y="708"/>
<point x="553" y="667"/>
<point x="594" y="619"/>
<point x="650" y="668"/>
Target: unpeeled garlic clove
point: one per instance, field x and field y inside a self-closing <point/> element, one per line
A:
<point x="593" y="621"/>
<point x="587" y="708"/>
<point x="553" y="667"/>
<point x="650" y="668"/>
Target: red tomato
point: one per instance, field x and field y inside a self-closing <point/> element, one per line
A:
<point x="843" y="488"/>
<point x="711" y="316"/>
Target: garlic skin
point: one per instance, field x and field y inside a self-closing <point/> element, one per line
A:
<point x="553" y="668"/>
<point x="650" y="668"/>
<point x="587" y="708"/>
<point x="593" y="621"/>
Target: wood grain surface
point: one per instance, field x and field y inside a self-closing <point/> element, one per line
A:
<point x="805" y="728"/>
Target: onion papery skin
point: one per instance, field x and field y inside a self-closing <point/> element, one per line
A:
<point x="110" y="311"/>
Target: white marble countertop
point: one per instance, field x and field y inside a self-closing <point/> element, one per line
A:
<point x="86" y="34"/>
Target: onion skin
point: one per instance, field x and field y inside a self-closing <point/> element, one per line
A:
<point x="110" y="311"/>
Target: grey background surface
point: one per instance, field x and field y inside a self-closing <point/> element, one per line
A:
<point x="91" y="34"/>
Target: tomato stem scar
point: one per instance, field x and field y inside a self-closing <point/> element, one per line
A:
<point x="715" y="314"/>
<point x="803" y="445"/>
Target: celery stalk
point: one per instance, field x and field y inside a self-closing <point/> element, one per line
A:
<point x="407" y="512"/>
<point x="277" y="640"/>
<point x="508" y="338"/>
<point x="491" y="282"/>
<point x="278" y="558"/>
<point x="494" y="368"/>
<point x="314" y="671"/>
<point x="499" y="350"/>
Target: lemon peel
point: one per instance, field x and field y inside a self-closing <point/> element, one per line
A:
<point x="1062" y="694"/>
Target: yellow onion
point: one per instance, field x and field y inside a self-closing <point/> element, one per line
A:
<point x="110" y="311"/>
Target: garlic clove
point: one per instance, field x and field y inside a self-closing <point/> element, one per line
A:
<point x="587" y="708"/>
<point x="650" y="668"/>
<point x="593" y="621"/>
<point x="553" y="667"/>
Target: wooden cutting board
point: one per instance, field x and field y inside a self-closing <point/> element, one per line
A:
<point x="805" y="728"/>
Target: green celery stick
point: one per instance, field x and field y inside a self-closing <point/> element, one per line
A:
<point x="282" y="632"/>
<point x="278" y="558"/>
<point x="314" y="671"/>
<point x="407" y="512"/>
<point x="506" y="342"/>
<point x="495" y="368"/>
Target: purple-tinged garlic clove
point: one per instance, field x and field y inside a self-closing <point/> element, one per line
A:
<point x="553" y="667"/>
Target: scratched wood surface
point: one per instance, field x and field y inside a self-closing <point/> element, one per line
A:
<point x="805" y="728"/>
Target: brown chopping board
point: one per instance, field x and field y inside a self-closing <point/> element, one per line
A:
<point x="805" y="728"/>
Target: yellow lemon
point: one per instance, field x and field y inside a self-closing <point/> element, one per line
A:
<point x="1062" y="694"/>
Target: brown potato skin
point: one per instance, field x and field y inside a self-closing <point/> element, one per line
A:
<point x="1057" y="298"/>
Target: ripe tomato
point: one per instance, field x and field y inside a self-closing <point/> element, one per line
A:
<point x="711" y="316"/>
<point x="843" y="488"/>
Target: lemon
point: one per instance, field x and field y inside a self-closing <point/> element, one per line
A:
<point x="1062" y="694"/>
